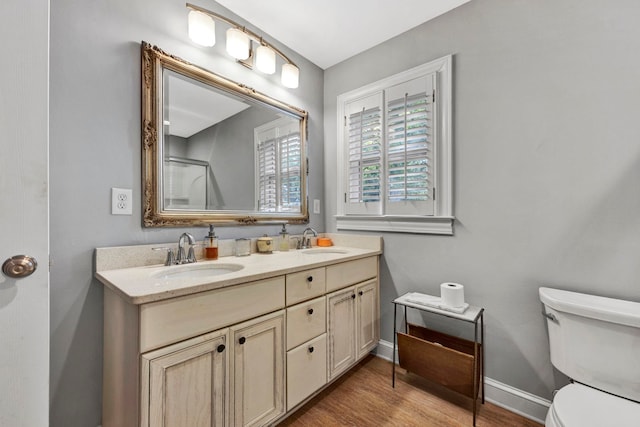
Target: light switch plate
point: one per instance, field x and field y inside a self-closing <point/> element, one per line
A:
<point x="316" y="206"/>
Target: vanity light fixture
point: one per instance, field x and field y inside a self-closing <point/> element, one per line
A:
<point x="238" y="44"/>
<point x="202" y="30"/>
<point x="266" y="60"/>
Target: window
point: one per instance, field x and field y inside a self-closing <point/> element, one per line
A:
<point x="278" y="159"/>
<point x="394" y="142"/>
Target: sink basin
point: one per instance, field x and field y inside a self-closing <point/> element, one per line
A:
<point x="321" y="251"/>
<point x="197" y="270"/>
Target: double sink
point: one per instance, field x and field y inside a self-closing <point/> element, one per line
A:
<point x="208" y="269"/>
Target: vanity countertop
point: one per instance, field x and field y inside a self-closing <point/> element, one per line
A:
<point x="149" y="283"/>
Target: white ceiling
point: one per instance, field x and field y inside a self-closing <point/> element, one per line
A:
<point x="194" y="107"/>
<point x="329" y="31"/>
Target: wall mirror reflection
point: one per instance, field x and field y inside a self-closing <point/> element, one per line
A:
<point x="216" y="151"/>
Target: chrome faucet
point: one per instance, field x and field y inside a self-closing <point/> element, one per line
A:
<point x="306" y="242"/>
<point x="191" y="257"/>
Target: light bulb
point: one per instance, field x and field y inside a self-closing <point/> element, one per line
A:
<point x="237" y="43"/>
<point x="266" y="60"/>
<point x="202" y="28"/>
<point x="290" y="76"/>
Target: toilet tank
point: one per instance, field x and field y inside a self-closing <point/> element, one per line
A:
<point x="595" y="340"/>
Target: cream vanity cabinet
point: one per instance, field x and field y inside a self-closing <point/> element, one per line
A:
<point x="306" y="334"/>
<point x="353" y="313"/>
<point x="239" y="355"/>
<point x="187" y="381"/>
<point x="192" y="380"/>
<point x="203" y="359"/>
<point x="258" y="371"/>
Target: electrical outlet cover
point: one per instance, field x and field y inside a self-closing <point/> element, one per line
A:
<point x="121" y="201"/>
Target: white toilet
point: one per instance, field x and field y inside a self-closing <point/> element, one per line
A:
<point x="595" y="341"/>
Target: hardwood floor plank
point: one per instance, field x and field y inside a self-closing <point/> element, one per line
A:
<point x="364" y="397"/>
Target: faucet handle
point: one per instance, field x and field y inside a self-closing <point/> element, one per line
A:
<point x="191" y="256"/>
<point x="296" y="245"/>
<point x="171" y="259"/>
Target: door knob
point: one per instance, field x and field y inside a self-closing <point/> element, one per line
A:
<point x="19" y="266"/>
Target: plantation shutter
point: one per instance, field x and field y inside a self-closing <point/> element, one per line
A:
<point x="409" y="146"/>
<point x="278" y="162"/>
<point x="363" y="134"/>
<point x="267" y="171"/>
<point x="289" y="174"/>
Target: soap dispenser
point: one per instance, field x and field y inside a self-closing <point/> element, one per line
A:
<point x="211" y="244"/>
<point x="284" y="239"/>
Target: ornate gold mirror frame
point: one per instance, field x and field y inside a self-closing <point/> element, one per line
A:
<point x="154" y="63"/>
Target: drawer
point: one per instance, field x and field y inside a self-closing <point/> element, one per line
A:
<point x="169" y="321"/>
<point x="305" y="285"/>
<point x="306" y="321"/>
<point x="306" y="370"/>
<point x="351" y="272"/>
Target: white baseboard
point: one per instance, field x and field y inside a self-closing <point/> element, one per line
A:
<point x="510" y="398"/>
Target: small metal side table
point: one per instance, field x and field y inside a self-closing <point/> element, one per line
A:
<point x="473" y="315"/>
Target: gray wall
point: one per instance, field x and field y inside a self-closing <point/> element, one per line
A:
<point x="229" y="148"/>
<point x="547" y="165"/>
<point x="95" y="145"/>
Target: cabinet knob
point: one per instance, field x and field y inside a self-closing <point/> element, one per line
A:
<point x="310" y="311"/>
<point x="310" y="349"/>
<point x="242" y="340"/>
<point x="221" y="348"/>
<point x="353" y="296"/>
<point x="360" y="293"/>
<point x="310" y="279"/>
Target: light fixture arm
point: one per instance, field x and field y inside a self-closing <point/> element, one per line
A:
<point x="253" y="36"/>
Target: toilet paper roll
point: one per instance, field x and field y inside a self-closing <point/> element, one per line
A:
<point x="452" y="294"/>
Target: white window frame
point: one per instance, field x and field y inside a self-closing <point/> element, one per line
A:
<point x="441" y="222"/>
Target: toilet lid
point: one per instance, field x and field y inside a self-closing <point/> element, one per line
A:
<point x="582" y="406"/>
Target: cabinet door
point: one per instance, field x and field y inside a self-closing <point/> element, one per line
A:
<point x="368" y="330"/>
<point x="186" y="384"/>
<point x="341" y="330"/>
<point x="258" y="370"/>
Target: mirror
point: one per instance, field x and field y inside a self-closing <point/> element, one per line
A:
<point x="215" y="151"/>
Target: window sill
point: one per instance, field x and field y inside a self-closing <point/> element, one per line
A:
<point x="398" y="224"/>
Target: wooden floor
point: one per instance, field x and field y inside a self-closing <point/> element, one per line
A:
<point x="364" y="397"/>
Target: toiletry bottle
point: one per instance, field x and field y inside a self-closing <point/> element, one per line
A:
<point x="284" y="239"/>
<point x="211" y="244"/>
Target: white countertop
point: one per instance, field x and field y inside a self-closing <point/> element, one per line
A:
<point x="139" y="285"/>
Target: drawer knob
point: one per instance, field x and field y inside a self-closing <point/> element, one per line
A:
<point x="353" y="296"/>
<point x="310" y="311"/>
<point x="360" y="293"/>
<point x="311" y="349"/>
<point x="242" y="340"/>
<point x="310" y="279"/>
<point x="221" y="348"/>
